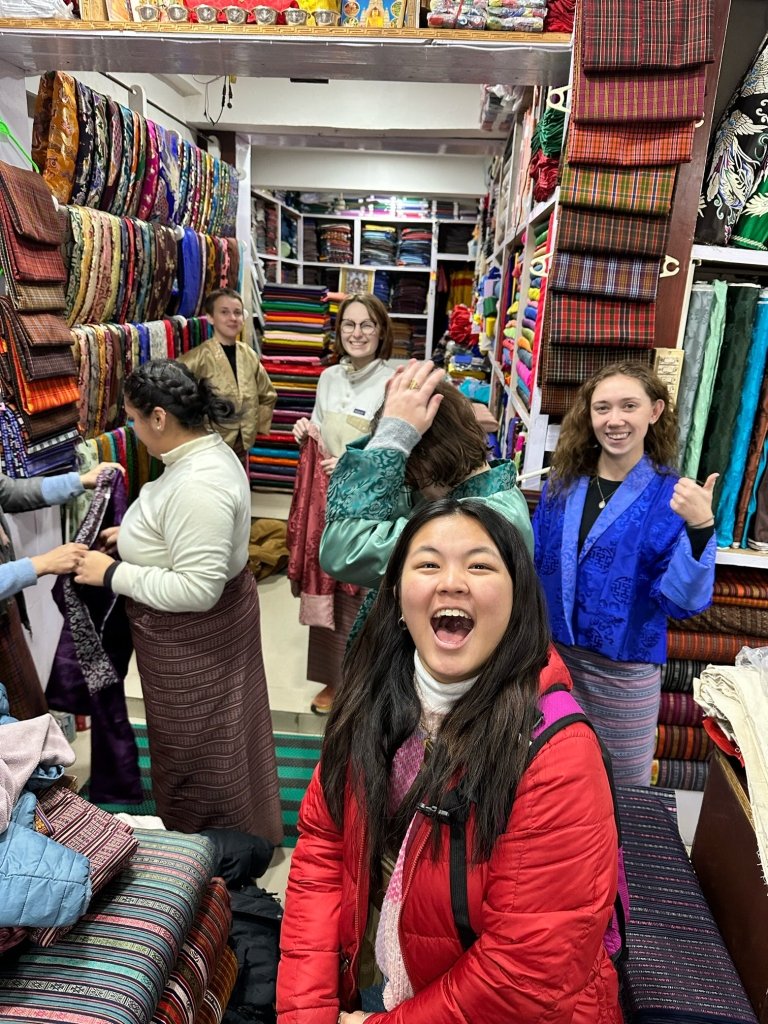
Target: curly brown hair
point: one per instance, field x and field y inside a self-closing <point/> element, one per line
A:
<point x="578" y="451"/>
<point x="453" y="448"/>
<point x="378" y="313"/>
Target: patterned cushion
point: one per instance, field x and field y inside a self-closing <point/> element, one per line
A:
<point x="678" y="967"/>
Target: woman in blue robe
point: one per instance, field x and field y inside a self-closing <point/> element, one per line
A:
<point x="621" y="543"/>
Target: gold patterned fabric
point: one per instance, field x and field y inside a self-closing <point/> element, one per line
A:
<point x="55" y="132"/>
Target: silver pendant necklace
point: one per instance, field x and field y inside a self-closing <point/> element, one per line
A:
<point x="604" y="497"/>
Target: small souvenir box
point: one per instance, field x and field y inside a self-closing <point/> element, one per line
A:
<point x="379" y="14"/>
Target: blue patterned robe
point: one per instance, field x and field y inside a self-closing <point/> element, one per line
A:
<point x="635" y="568"/>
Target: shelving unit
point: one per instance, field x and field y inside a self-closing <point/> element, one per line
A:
<point x="289" y="269"/>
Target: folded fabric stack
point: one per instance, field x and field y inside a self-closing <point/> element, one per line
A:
<point x="382" y="286"/>
<point x="297" y="331"/>
<point x="455" y="238"/>
<point x="525" y="16"/>
<point x="457" y="14"/>
<point x="682" y="746"/>
<point x="38" y="415"/>
<point x="560" y="15"/>
<point x="334" y="240"/>
<point x="106" y="353"/>
<point x="378" y="245"/>
<point x="409" y="294"/>
<point x="97" y="153"/>
<point x="726" y="352"/>
<point x="637" y="94"/>
<point x="414" y="247"/>
<point x="310" y="252"/>
<point x="733" y="208"/>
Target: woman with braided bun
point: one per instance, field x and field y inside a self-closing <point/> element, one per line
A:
<point x="180" y="558"/>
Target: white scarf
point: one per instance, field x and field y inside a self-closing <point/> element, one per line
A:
<point x="436" y="698"/>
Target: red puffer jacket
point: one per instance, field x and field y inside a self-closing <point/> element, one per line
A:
<point x="539" y="906"/>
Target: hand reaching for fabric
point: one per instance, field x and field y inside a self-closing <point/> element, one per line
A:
<point x="300" y="430"/>
<point x="328" y="465"/>
<point x="60" y="560"/>
<point x="693" y="501"/>
<point x="93" y="565"/>
<point x="88" y="480"/>
<point x="411" y="394"/>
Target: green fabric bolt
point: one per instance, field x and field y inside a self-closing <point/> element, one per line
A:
<point x="694" y="347"/>
<point x="706" y="381"/>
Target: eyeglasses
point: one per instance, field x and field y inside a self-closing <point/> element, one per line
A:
<point x="367" y="327"/>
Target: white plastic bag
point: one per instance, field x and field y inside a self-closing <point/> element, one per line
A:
<point x="35" y="9"/>
<point x="755" y="657"/>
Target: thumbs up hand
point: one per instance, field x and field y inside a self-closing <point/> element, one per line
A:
<point x="693" y="501"/>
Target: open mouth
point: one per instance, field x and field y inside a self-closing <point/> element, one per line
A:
<point x="452" y="626"/>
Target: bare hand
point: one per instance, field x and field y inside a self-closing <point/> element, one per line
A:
<point x="92" y="567"/>
<point x="353" y="1018"/>
<point x="108" y="539"/>
<point x="88" y="480"/>
<point x="300" y="430"/>
<point x="411" y="394"/>
<point x="59" y="561"/>
<point x="328" y="465"/>
<point x="692" y="501"/>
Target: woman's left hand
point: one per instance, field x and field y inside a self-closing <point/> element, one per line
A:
<point x="693" y="501"/>
<point x="88" y="480"/>
<point x="328" y="465"/>
<point x="353" y="1018"/>
<point x="92" y="568"/>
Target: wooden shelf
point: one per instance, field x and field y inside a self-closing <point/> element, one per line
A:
<point x="268" y="51"/>
<point x="745" y="558"/>
<point x="727" y="254"/>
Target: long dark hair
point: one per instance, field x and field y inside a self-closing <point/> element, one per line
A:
<point x="484" y="737"/>
<point x="169" y="385"/>
<point x="578" y="451"/>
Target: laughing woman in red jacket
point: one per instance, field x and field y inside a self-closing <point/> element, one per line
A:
<point x="442" y="687"/>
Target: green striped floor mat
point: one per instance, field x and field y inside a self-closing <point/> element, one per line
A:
<point x="296" y="760"/>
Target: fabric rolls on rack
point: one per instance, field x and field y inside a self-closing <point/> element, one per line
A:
<point x="709" y="363"/>
<point x="96" y="153"/>
<point x="694" y="344"/>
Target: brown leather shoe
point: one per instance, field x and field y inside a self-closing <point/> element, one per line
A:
<point x="323" y="702"/>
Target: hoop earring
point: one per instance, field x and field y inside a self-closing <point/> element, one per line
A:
<point x="402" y="624"/>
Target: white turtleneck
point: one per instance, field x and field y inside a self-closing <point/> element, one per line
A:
<point x="347" y="400"/>
<point x="436" y="698"/>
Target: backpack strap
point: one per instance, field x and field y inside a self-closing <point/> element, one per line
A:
<point x="558" y="709"/>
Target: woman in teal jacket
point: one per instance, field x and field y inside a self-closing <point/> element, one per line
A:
<point x="426" y="444"/>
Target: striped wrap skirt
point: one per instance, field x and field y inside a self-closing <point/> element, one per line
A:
<point x="208" y="719"/>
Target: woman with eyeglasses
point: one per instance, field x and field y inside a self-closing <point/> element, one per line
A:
<point x="348" y="395"/>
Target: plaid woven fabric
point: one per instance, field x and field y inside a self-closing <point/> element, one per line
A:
<point x="39" y="395"/>
<point x="646" y="33"/>
<point x="28" y="295"/>
<point x="632" y="145"/>
<point x="573" y="364"/>
<point x="30" y="204"/>
<point x="595" y="231"/>
<point x="51" y="423"/>
<point x="585" y="320"/>
<point x="557" y="399"/>
<point x="38" y="362"/>
<point x="628" y="191"/>
<point x="611" y="276"/>
<point x="655" y="96"/>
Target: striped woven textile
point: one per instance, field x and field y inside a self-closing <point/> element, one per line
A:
<point x="646" y="191"/>
<point x="678" y="967"/>
<point x="677" y="676"/>
<point x="631" y="145"/>
<point x="728" y="619"/>
<point x="682" y="742"/>
<point x="748" y="587"/>
<point x="719" y="648"/>
<point x="572" y="364"/>
<point x="598" y="231"/>
<point x="327" y="646"/>
<point x="220" y="989"/>
<point x="607" y="276"/>
<point x="679" y="709"/>
<point x="585" y="320"/>
<point x="689" y="775"/>
<point x="107" y="842"/>
<point x="557" y="399"/>
<point x="195" y="968"/>
<point x="112" y="967"/>
<point x="632" y="34"/>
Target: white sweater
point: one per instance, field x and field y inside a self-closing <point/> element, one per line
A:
<point x="187" y="533"/>
<point x="347" y="400"/>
